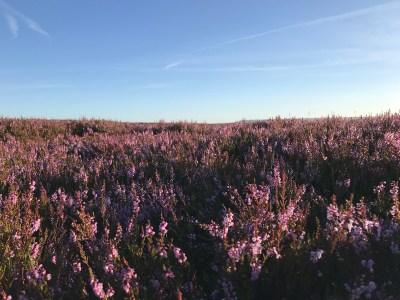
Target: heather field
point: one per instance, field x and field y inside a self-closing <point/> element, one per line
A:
<point x="279" y="209"/>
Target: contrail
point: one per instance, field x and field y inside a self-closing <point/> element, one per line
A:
<point x="13" y="24"/>
<point x="173" y="65"/>
<point x="344" y="16"/>
<point x="28" y="21"/>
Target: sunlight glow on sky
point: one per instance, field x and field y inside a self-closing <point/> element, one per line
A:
<point x="213" y="61"/>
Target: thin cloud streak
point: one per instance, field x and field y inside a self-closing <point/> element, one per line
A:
<point x="173" y="65"/>
<point x="13" y="24"/>
<point x="344" y="16"/>
<point x="33" y="25"/>
<point x="153" y="86"/>
<point x="161" y="85"/>
<point x="291" y="67"/>
<point x="35" y="86"/>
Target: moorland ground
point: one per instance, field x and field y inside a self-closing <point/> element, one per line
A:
<point x="294" y="209"/>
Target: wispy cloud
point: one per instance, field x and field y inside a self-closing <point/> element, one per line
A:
<point x="13" y="24"/>
<point x="373" y="58"/>
<point x="153" y="86"/>
<point x="334" y="18"/>
<point x="33" y="86"/>
<point x="161" y="85"/>
<point x="12" y="15"/>
<point x="173" y="65"/>
<point x="259" y="68"/>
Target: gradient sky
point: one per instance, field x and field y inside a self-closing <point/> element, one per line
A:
<point x="213" y="61"/>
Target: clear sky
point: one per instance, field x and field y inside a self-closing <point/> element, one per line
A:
<point x="214" y="61"/>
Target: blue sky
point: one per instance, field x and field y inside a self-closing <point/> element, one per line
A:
<point x="213" y="61"/>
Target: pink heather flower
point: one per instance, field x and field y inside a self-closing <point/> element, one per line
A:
<point x="347" y="182"/>
<point x="10" y="253"/>
<point x="393" y="210"/>
<point x="136" y="205"/>
<point x="162" y="252"/>
<point x="256" y="247"/>
<point x="394" y="191"/>
<point x="127" y="276"/>
<point x="109" y="268"/>
<point x="97" y="288"/>
<point x="113" y="252"/>
<point x="223" y="232"/>
<point x="16" y="237"/>
<point x="131" y="172"/>
<point x="38" y="275"/>
<point x="110" y="292"/>
<point x="163" y="228"/>
<point x="274" y="252"/>
<point x="130" y="227"/>
<point x="380" y="188"/>
<point x="234" y="254"/>
<point x="148" y="232"/>
<point x="266" y="194"/>
<point x="168" y="274"/>
<point x="316" y="255"/>
<point x="94" y="227"/>
<point x="227" y="222"/>
<point x="180" y="256"/>
<point x="332" y="212"/>
<point x="277" y="177"/>
<point x="63" y="197"/>
<point x="255" y="271"/>
<point x="34" y="250"/>
<point x="213" y="229"/>
<point x="76" y="267"/>
<point x="289" y="211"/>
<point x="35" y="226"/>
<point x="32" y="186"/>
<point x="72" y="237"/>
<point x="54" y="259"/>
<point x="248" y="201"/>
<point x="370" y="225"/>
<point x="13" y="198"/>
<point x="349" y="225"/>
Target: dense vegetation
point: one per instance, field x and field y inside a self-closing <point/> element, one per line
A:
<point x="277" y="209"/>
